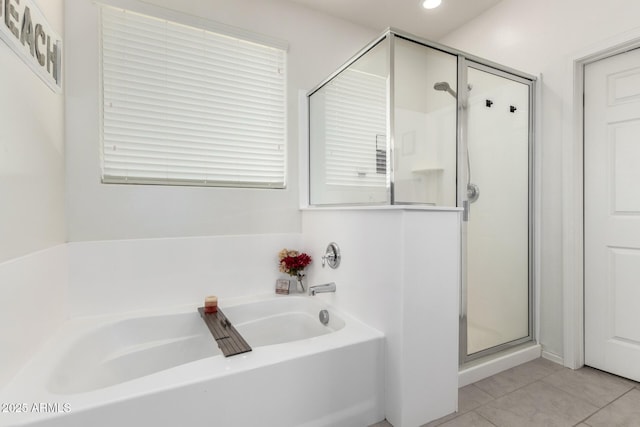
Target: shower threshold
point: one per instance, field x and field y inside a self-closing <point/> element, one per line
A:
<point x="487" y="366"/>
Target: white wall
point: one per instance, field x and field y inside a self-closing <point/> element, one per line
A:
<point x="31" y="153"/>
<point x="33" y="264"/>
<point x="540" y="37"/>
<point x="141" y="274"/>
<point x="400" y="274"/>
<point x="318" y="45"/>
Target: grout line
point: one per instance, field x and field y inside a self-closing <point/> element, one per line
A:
<point x="444" y="419"/>
<point x="619" y="397"/>
<point x="633" y="383"/>
<point x="512" y="391"/>
<point x="622" y="381"/>
<point x="476" y="407"/>
<point x="484" y="418"/>
<point x="584" y="420"/>
<point x="608" y="404"/>
<point x="522" y="386"/>
<point x="636" y="386"/>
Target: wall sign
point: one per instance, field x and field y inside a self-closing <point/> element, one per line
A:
<point x="25" y="29"/>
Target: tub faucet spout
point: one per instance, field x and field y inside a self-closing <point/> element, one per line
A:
<point x="319" y="289"/>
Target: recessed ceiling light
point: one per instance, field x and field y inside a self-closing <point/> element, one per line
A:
<point x="430" y="4"/>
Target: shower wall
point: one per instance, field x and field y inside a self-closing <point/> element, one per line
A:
<point x="425" y="125"/>
<point x="379" y="131"/>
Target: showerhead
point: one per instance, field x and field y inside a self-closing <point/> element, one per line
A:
<point x="444" y="86"/>
<point x="441" y="86"/>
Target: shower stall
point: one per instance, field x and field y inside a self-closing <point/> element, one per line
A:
<point x="410" y="122"/>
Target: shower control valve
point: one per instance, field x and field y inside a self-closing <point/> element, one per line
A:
<point x="331" y="255"/>
<point x="473" y="192"/>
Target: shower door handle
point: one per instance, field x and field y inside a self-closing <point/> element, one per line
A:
<point x="465" y="210"/>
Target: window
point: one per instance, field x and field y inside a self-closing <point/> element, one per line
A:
<point x="188" y="106"/>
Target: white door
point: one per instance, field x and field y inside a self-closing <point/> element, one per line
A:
<point x="612" y="214"/>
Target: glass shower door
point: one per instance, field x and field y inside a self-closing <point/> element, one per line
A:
<point x="494" y="174"/>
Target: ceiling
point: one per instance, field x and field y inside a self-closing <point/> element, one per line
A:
<point x="405" y="15"/>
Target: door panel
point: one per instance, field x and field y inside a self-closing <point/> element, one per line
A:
<point x="612" y="214"/>
<point x="497" y="168"/>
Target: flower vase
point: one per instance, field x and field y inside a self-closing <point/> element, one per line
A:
<point x="300" y="285"/>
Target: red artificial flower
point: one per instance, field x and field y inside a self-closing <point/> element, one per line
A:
<point x="293" y="262"/>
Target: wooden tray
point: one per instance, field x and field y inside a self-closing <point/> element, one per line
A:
<point x="228" y="338"/>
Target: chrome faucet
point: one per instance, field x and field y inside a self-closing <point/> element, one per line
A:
<point x="320" y="289"/>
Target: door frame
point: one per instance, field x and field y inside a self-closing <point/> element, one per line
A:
<point x="573" y="191"/>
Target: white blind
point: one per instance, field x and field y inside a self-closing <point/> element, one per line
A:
<point x="356" y="125"/>
<point x="186" y="106"/>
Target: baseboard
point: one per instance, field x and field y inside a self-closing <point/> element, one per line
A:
<point x="552" y="357"/>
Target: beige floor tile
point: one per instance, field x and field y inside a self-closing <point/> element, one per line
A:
<point x="592" y="385"/>
<point x="538" y="404"/>
<point x="515" y="378"/>
<point x="553" y="366"/>
<point x="442" y="420"/>
<point x="542" y="393"/>
<point x="471" y="397"/>
<point x="624" y="412"/>
<point x="470" y="419"/>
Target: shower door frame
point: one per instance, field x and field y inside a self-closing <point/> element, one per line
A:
<point x="463" y="101"/>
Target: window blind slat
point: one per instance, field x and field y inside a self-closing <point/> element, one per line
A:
<point x="253" y="58"/>
<point x="123" y="96"/>
<point x="218" y="147"/>
<point x="225" y="126"/>
<point x="185" y="105"/>
<point x="201" y="43"/>
<point x="204" y="65"/>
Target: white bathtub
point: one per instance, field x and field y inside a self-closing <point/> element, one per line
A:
<point x="165" y="369"/>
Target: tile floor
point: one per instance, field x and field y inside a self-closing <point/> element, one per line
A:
<point x="543" y="394"/>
